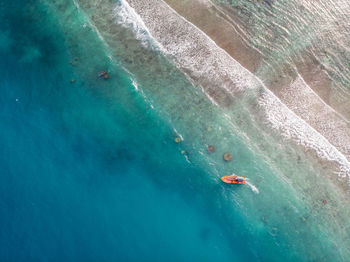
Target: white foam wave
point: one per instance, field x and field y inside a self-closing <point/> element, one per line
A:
<point x="178" y="134"/>
<point x="140" y="91"/>
<point x="332" y="125"/>
<point x="108" y="50"/>
<point x="199" y="56"/>
<point x="126" y="16"/>
<point x="293" y="128"/>
<point x="135" y="85"/>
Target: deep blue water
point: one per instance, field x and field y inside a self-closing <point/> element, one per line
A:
<point x="85" y="177"/>
<point x="90" y="172"/>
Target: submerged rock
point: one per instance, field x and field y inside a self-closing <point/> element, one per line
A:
<point x="211" y="149"/>
<point x="102" y="73"/>
<point x="227" y="157"/>
<point x="177" y="139"/>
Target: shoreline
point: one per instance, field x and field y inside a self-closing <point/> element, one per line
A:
<point x="276" y="166"/>
<point x="223" y="78"/>
<point x="310" y="103"/>
<point x="118" y="168"/>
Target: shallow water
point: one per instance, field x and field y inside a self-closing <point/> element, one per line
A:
<point x="300" y="35"/>
<point x="90" y="169"/>
<point x="81" y="178"/>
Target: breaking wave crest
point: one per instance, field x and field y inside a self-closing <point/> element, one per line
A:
<point x="218" y="73"/>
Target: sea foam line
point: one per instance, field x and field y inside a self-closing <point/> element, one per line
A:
<point x="91" y="24"/>
<point x="194" y="52"/>
<point x="128" y="13"/>
<point x="126" y="16"/>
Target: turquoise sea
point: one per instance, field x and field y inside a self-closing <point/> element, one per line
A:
<point x="90" y="171"/>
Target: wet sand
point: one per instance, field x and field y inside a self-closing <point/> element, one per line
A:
<point x="214" y="23"/>
<point x="227" y="82"/>
<point x="314" y="100"/>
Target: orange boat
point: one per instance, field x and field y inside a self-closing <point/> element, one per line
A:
<point x="233" y="179"/>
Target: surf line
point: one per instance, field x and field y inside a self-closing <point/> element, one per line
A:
<point x="290" y="125"/>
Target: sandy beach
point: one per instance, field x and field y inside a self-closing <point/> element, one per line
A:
<point x="226" y="79"/>
<point x="313" y="100"/>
